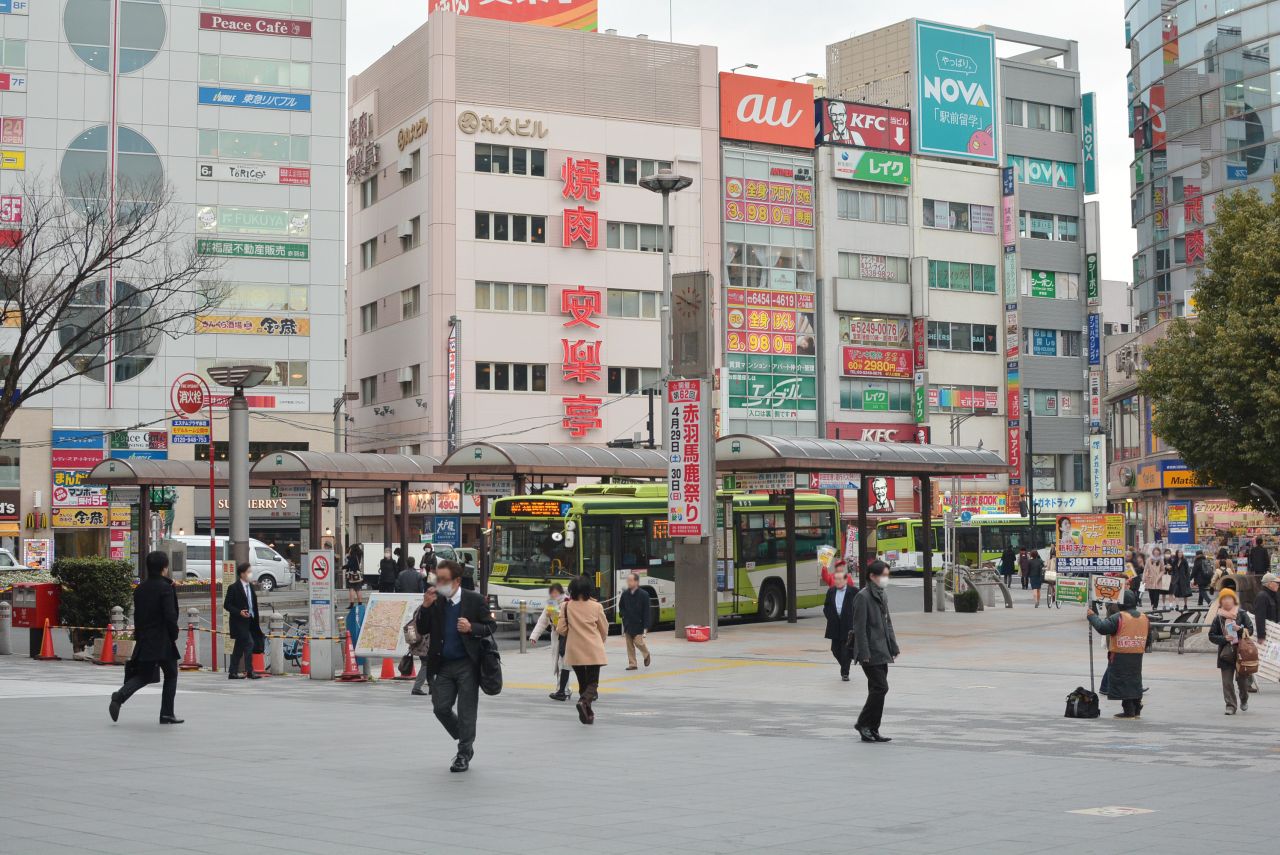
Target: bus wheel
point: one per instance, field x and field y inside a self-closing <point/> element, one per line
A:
<point x="773" y="601"/>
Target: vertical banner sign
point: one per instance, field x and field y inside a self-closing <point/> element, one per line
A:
<point x="955" y="96"/>
<point x="1095" y="340"/>
<point x="920" y="341"/>
<point x="320" y="570"/>
<point x="1098" y="470"/>
<point x="1089" y="142"/>
<point x="690" y="488"/>
<point x="1091" y="277"/>
<point x="1009" y="233"/>
<point x="919" y="412"/>
<point x="452" y="361"/>
<point x="1095" y="399"/>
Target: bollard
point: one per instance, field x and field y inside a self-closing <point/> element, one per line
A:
<point x="117" y="619"/>
<point x="191" y="657"/>
<point x="118" y="625"/>
<point x="6" y="622"/>
<point x="524" y="639"/>
<point x="275" y="628"/>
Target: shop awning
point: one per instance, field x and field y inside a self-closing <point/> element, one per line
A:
<point x="142" y="472"/>
<point x="750" y="453"/>
<point x="552" y="460"/>
<point x="347" y="470"/>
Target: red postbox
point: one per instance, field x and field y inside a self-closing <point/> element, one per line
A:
<point x="33" y="603"/>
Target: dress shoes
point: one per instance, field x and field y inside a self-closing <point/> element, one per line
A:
<point x="866" y="734"/>
<point x="114" y="708"/>
<point x="461" y="763"/>
<point x="169" y="719"/>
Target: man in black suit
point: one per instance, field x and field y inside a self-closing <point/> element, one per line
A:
<point x="456" y="622"/>
<point x="241" y="603"/>
<point x="838" y="610"/>
<point x="155" y="621"/>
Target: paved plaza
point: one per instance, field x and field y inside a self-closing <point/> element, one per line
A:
<point x="741" y="745"/>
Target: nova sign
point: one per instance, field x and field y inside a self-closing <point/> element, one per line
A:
<point x="955" y="73"/>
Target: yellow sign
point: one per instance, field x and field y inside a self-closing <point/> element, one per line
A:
<point x="1178" y="512"/>
<point x="1180" y="478"/>
<point x="1149" y="476"/>
<point x="252" y="325"/>
<point x="80" y="517"/>
<point x="13" y="160"/>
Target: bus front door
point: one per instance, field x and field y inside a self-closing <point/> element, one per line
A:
<point x="726" y="565"/>
<point x="599" y="549"/>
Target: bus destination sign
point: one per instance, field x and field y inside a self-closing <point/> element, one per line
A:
<point x="534" y="508"/>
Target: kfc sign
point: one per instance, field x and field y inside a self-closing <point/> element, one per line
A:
<point x="872" y="431"/>
<point x="758" y="109"/>
<point x="861" y="125"/>
<point x="253" y="24"/>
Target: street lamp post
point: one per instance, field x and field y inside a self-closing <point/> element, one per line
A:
<point x="339" y="446"/>
<point x="238" y="377"/>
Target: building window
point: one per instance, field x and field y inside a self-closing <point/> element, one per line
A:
<point x="1038" y="116"/>
<point x="511" y="297"/>
<point x="959" y="217"/>
<point x="870" y="207"/>
<point x="1041" y="117"/>
<point x="633" y="304"/>
<point x="777" y="266"/>
<point x="887" y="268"/>
<point x="277" y="148"/>
<point x="962" y="276"/>
<point x="517" y="228"/>
<point x="1064" y="119"/>
<point x="1056" y="402"/>
<point x="963" y="338"/>
<point x="1049" y="284"/>
<point x="632" y="381"/>
<point x="875" y="395"/>
<point x="246" y="71"/>
<point x="635" y="236"/>
<point x="368" y="191"/>
<point x="296" y="7"/>
<point x="369" y="317"/>
<point x="1041" y="226"/>
<point x="369" y="390"/>
<point x="511" y="160"/>
<point x="264" y="297"/>
<point x="414" y="236"/>
<point x="88" y="29"/>
<point x="92" y="311"/>
<point x="629" y="170"/>
<point x="1042" y="342"/>
<point x="10" y="463"/>
<point x="414" y="172"/>
<point x="13" y="53"/>
<point x="409" y="302"/>
<point x="411" y="381"/>
<point x="368" y="253"/>
<point x="950" y="398"/>
<point x="284" y="372"/>
<point x="1013" y="112"/>
<point x="510" y="377"/>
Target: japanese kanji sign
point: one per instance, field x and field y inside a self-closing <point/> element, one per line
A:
<point x="581" y="414"/>
<point x="581" y="304"/>
<point x="690" y="487"/>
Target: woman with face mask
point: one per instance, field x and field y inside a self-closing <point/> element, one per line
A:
<point x="547" y="621"/>
<point x="874" y="648"/>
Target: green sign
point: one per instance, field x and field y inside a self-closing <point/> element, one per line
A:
<point x="763" y="386"/>
<point x="1073" y="591"/>
<point x="254" y="249"/>
<point x="1044" y="283"/>
<point x="875" y="399"/>
<point x="1089" y="142"/>
<point x="918" y="408"/>
<point x="1091" y="276"/>
<point x="881" y="167"/>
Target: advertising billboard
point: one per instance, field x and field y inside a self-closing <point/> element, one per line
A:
<point x="862" y="125"/>
<point x="955" y="92"/>
<point x="758" y="109"/>
<point x="564" y="14"/>
<point x="877" y="166"/>
<point x="877" y="362"/>
<point x="1090" y="542"/>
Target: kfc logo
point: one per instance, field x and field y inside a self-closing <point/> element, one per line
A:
<point x="758" y="109"/>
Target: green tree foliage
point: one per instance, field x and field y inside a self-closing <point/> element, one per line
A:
<point x="1214" y="382"/>
<point x="90" y="587"/>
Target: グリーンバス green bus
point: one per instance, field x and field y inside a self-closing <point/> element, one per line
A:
<point x="608" y="531"/>
<point x="900" y="542"/>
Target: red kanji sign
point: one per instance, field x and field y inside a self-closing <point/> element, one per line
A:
<point x="581" y="304"/>
<point x="581" y="414"/>
<point x="582" y="361"/>
<point x="1195" y="246"/>
<point x="581" y="179"/>
<point x="581" y="224"/>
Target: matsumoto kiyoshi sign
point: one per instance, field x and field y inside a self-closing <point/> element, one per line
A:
<point x="879" y="166"/>
<point x="955" y="92"/>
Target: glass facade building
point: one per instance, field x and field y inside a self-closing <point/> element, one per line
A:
<point x="1201" y="91"/>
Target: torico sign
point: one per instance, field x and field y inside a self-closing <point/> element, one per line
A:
<point x="565" y="14"/>
<point x="955" y="92"/>
<point x="758" y="109"/>
<point x="862" y="125"/>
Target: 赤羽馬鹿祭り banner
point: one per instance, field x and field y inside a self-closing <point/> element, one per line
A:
<point x="1090" y="543"/>
<point x="955" y="92"/>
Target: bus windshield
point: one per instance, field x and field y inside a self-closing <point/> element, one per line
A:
<point x="533" y="548"/>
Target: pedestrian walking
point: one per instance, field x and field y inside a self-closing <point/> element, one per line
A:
<point x="429" y="559"/>
<point x="635" y="605"/>
<point x="353" y="573"/>
<point x="388" y="567"/>
<point x="1008" y="560"/>
<point x="1153" y="576"/>
<point x="1035" y="572"/>
<point x="1259" y="558"/>
<point x="1230" y="625"/>
<point x="1023" y="561"/>
<point x="1135" y="563"/>
<point x="1266" y="605"/>
<point x="585" y="630"/>
<point x="409" y="580"/>
<point x="547" y="621"/>
<point x="1129" y="636"/>
<point x="838" y="610"/>
<point x="1202" y="578"/>
<point x="155" y="633"/>
<point x="456" y="623"/>
<point x="1051" y="579"/>
<point x="875" y="647"/>
<point x="1180" y="578"/>
<point x="241" y="606"/>
<point x="420" y="644"/>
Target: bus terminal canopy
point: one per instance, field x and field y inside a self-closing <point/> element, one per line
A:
<point x="141" y="472"/>
<point x="749" y="453"/>
<point x="552" y="460"/>
<point x="346" y="470"/>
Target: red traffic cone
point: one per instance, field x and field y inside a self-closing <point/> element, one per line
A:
<point x="260" y="666"/>
<point x="190" y="662"/>
<point x="306" y="656"/>
<point x="350" y="670"/>
<point x="46" y="644"/>
<point x="413" y="673"/>
<point x="388" y="670"/>
<point x="108" y="648"/>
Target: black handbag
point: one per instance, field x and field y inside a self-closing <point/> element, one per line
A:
<point x="1082" y="703"/>
<point x="490" y="666"/>
<point x="135" y="668"/>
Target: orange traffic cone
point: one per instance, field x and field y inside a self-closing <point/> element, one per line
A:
<point x="46" y="644"/>
<point x="306" y="656"/>
<point x="350" y="670"/>
<point x="108" y="648"/>
<point x="260" y="666"/>
<point x="190" y="662"/>
<point x="388" y="670"/>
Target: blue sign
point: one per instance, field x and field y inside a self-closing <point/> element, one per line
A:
<point x="1180" y="520"/>
<point x="67" y="439"/>
<point x="965" y="516"/>
<point x="1044" y="342"/>
<point x="1006" y="181"/>
<point x="1095" y="339"/>
<point x="955" y="92"/>
<point x="220" y="96"/>
<point x="448" y="531"/>
<point x="138" y="454"/>
<point x="10" y="7"/>
<point x="1237" y="172"/>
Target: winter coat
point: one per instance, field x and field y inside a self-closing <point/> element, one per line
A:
<point x="155" y="620"/>
<point x="410" y="581"/>
<point x="1259" y="560"/>
<point x="1151" y="575"/>
<point x="1266" y="606"/>
<point x="547" y="620"/>
<point x="1124" y="671"/>
<point x="634" y="608"/>
<point x="1201" y="572"/>
<point x="874" y="641"/>
<point x="585" y="628"/>
<point x="1181" y="573"/>
<point x="1218" y="635"/>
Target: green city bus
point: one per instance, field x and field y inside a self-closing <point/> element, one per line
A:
<point x="608" y="531"/>
<point x="900" y="542"/>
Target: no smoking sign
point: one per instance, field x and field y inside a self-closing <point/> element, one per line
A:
<point x="320" y="568"/>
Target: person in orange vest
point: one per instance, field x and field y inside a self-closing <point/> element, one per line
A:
<point x="1130" y="636"/>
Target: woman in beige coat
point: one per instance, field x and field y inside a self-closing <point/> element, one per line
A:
<point x="585" y="628"/>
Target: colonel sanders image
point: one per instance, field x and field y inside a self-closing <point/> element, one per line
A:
<point x="880" y="493"/>
<point x="840" y="130"/>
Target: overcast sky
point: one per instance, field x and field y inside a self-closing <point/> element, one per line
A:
<point x="789" y="38"/>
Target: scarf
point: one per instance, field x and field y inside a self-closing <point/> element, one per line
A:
<point x="1229" y="615"/>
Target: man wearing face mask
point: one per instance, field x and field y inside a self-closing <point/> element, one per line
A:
<point x="456" y="622"/>
<point x="874" y="648"/>
<point x="838" y="610"/>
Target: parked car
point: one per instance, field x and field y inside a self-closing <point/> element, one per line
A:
<point x="8" y="561"/>
<point x="271" y="570"/>
<point x="373" y="555"/>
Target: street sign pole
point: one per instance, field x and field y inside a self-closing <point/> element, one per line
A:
<point x="189" y="394"/>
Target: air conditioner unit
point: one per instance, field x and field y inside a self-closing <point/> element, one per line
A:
<point x="406" y="163"/>
<point x="406" y="229"/>
<point x="405" y="375"/>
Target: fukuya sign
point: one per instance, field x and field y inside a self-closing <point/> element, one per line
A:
<point x="757" y="109"/>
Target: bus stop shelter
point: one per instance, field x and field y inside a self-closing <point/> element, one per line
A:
<point x="795" y="457"/>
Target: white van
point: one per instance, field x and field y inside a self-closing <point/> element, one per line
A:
<point x="270" y="569"/>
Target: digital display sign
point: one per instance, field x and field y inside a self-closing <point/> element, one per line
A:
<point x="532" y="508"/>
